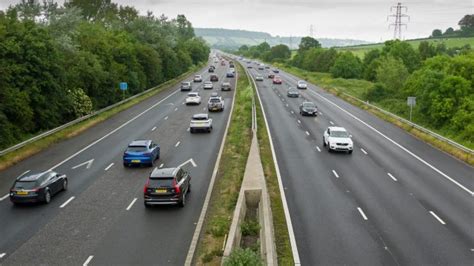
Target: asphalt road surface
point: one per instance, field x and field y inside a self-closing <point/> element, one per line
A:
<point x="395" y="201"/>
<point x="101" y="219"/>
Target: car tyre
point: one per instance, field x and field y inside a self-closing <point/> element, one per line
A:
<point x="191" y="130"/>
<point x="182" y="203"/>
<point x="350" y="152"/>
<point x="324" y="142"/>
<point x="47" y="197"/>
<point x="146" y="205"/>
<point x="189" y="188"/>
<point x="65" y="185"/>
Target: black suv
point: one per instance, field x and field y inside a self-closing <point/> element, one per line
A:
<point x="167" y="186"/>
<point x="39" y="187"/>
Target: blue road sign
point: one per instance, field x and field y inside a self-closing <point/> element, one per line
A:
<point x="123" y="86"/>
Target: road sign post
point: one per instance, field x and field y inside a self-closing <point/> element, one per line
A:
<point x="411" y="101"/>
<point x="123" y="88"/>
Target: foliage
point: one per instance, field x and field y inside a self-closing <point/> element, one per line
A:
<point x="277" y="52"/>
<point x="308" y="43"/>
<point x="250" y="228"/>
<point x="61" y="62"/>
<point x="243" y="257"/>
<point x="392" y="73"/>
<point x="436" y="33"/>
<point x="347" y="66"/>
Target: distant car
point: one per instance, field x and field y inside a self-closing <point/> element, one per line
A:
<point x="211" y="69"/>
<point x="261" y="67"/>
<point x="259" y="78"/>
<point x="271" y="75"/>
<point x="293" y="93"/>
<point x="222" y="63"/>
<point x="193" y="98"/>
<point x="215" y="104"/>
<point x="197" y="78"/>
<point x="200" y="122"/>
<point x="186" y="86"/>
<point x="277" y="80"/>
<point x="302" y="85"/>
<point x="337" y="139"/>
<point x="208" y="85"/>
<point x="267" y="67"/>
<point x="141" y="152"/>
<point x="167" y="186"/>
<point x="225" y="86"/>
<point x="249" y="66"/>
<point x="214" y="78"/>
<point x="230" y="74"/>
<point x="308" y="108"/>
<point x="276" y="71"/>
<point x="232" y="70"/>
<point x="37" y="187"/>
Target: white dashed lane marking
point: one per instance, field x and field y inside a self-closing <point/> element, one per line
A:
<point x="332" y="123"/>
<point x="153" y="129"/>
<point x="88" y="260"/>
<point x="4" y="197"/>
<point x="166" y="118"/>
<point x="131" y="204"/>
<point x="363" y="151"/>
<point x="161" y="166"/>
<point x="392" y="177"/>
<point x="362" y="213"/>
<point x="177" y="143"/>
<point x="335" y="173"/>
<point x="67" y="202"/>
<point x="307" y="133"/>
<point x="108" y="167"/>
<point x="437" y="218"/>
<point x="317" y="148"/>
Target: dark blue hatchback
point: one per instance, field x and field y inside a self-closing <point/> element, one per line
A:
<point x="141" y="152"/>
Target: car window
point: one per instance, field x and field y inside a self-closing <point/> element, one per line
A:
<point x="161" y="182"/>
<point x="339" y="134"/>
<point x="179" y="176"/>
<point x="308" y="105"/>
<point x="136" y="148"/>
<point x="25" y="184"/>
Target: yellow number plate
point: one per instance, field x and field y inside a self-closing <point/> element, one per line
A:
<point x="161" y="191"/>
<point x="135" y="161"/>
<point x="22" y="192"/>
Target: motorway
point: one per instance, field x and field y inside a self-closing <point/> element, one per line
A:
<point x="100" y="219"/>
<point x="395" y="201"/>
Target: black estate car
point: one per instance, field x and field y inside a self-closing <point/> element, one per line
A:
<point x="37" y="187"/>
<point x="167" y="186"/>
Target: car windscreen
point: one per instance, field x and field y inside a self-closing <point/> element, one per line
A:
<point x="309" y="105"/>
<point x="25" y="185"/>
<point x="192" y="95"/>
<point x="185" y="83"/>
<point x="339" y="134"/>
<point x="136" y="148"/>
<point x="161" y="182"/>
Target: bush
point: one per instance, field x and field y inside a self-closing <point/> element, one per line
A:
<point x="243" y="257"/>
<point x="250" y="228"/>
<point x="347" y="66"/>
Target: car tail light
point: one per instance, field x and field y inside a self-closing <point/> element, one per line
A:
<point x="176" y="187"/>
<point x="35" y="189"/>
<point x="145" y="188"/>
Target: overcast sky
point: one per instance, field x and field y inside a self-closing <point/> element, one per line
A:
<point x="357" y="19"/>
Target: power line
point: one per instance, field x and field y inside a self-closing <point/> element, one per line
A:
<point x="397" y="31"/>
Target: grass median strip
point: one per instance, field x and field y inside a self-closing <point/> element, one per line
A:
<point x="229" y="178"/>
<point x="356" y="88"/>
<point x="16" y="156"/>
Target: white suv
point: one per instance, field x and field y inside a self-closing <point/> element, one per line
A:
<point x="337" y="139"/>
<point x="302" y="84"/>
<point x="193" y="98"/>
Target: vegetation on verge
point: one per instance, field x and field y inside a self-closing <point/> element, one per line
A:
<point x="229" y="177"/>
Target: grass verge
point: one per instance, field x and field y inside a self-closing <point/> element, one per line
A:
<point x="357" y="89"/>
<point x="229" y="177"/>
<point x="16" y="156"/>
<point x="282" y="239"/>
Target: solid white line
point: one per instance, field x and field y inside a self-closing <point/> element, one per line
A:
<point x="289" y="224"/>
<point x="153" y="129"/>
<point x="88" y="260"/>
<point x="331" y="122"/>
<point x="108" y="167"/>
<point x="113" y="131"/>
<point x="437" y="218"/>
<point x="398" y="145"/>
<point x="131" y="204"/>
<point x="363" y="151"/>
<point x="317" y="148"/>
<point x="4" y="197"/>
<point x="307" y="133"/>
<point x="161" y="165"/>
<point x="166" y="118"/>
<point x="65" y="203"/>
<point x="202" y="215"/>
<point x="2" y="255"/>
<point x="362" y="213"/>
<point x="299" y="122"/>
<point x="335" y="173"/>
<point x="392" y="177"/>
<point x="177" y="143"/>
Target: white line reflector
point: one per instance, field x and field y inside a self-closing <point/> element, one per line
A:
<point x="108" y="167"/>
<point x="362" y="213"/>
<point x="392" y="177"/>
<point x="131" y="204"/>
<point x="4" y="197"/>
<point x="363" y="151"/>
<point x="437" y="218"/>
<point x="177" y="143"/>
<point x="88" y="260"/>
<point x="335" y="173"/>
<point x="67" y="202"/>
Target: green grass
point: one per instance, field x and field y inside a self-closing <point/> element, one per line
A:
<point x="360" y="50"/>
<point x="16" y="156"/>
<point x="357" y="88"/>
<point x="229" y="178"/>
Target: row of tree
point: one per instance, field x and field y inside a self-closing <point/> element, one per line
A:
<point x="58" y="63"/>
<point x="466" y="29"/>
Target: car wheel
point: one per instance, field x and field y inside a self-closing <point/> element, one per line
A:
<point x="189" y="188"/>
<point x="324" y="142"/>
<point x="65" y="185"/>
<point x="146" y="205"/>
<point x="182" y="203"/>
<point x="47" y="197"/>
<point x="350" y="152"/>
<point x="191" y="130"/>
<point x="125" y="165"/>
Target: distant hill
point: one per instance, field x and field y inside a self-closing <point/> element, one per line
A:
<point x="233" y="39"/>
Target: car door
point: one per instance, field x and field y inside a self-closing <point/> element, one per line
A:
<point x="50" y="182"/>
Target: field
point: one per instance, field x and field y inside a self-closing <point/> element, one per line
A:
<point x="360" y="50"/>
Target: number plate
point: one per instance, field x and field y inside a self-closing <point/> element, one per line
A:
<point x="135" y="161"/>
<point x="22" y="192"/>
<point x="161" y="191"/>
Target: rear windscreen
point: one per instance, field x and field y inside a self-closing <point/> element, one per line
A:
<point x="25" y="184"/>
<point x="136" y="148"/>
<point x="162" y="182"/>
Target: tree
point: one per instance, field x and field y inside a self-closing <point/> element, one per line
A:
<point x="392" y="73"/>
<point x="404" y="51"/>
<point x="436" y="33"/>
<point x="449" y="31"/>
<point x="467" y="25"/>
<point x="426" y="50"/>
<point x="307" y="43"/>
<point x="369" y="67"/>
<point x="347" y="65"/>
<point x="280" y="51"/>
<point x="185" y="28"/>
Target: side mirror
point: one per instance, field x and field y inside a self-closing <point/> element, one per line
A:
<point x="350" y="136"/>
